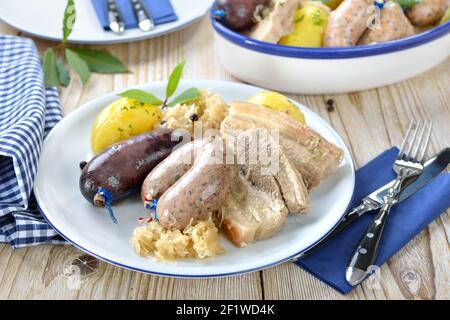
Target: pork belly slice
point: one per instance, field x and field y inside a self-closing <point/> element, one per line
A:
<point x="269" y="159"/>
<point x="263" y="193"/>
<point x="254" y="210"/>
<point x="311" y="154"/>
<point x="277" y="23"/>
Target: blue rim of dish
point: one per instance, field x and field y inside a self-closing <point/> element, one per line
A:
<point x="329" y="53"/>
<point x="200" y="276"/>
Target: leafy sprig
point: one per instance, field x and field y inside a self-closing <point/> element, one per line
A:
<point x="172" y="85"/>
<point x="83" y="61"/>
<point x="406" y="4"/>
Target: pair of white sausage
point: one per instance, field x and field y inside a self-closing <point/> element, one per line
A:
<point x="393" y="25"/>
<point x="427" y="12"/>
<point x="188" y="191"/>
<point x="347" y="24"/>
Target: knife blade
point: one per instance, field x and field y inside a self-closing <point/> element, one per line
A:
<point x="373" y="201"/>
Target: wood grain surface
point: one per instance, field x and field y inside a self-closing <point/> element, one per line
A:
<point x="369" y="122"/>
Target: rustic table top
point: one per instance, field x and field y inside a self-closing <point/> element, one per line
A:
<point x="369" y="121"/>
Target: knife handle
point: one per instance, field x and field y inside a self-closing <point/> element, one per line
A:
<point x="362" y="261"/>
<point x="145" y="22"/>
<point x="115" y="20"/>
<point x="351" y="216"/>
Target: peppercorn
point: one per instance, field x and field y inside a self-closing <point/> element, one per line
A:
<point x="331" y="105"/>
<point x="193" y="117"/>
<point x="82" y="164"/>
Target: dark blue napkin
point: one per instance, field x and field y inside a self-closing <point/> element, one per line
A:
<point x="160" y="10"/>
<point x="406" y="220"/>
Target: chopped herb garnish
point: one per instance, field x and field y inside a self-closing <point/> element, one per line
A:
<point x="299" y="19"/>
<point x="317" y="18"/>
<point x="406" y="4"/>
<point x="120" y="129"/>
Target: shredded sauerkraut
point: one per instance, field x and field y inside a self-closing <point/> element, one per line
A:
<point x="209" y="110"/>
<point x="196" y="241"/>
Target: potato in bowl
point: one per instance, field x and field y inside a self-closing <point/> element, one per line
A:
<point x="330" y="69"/>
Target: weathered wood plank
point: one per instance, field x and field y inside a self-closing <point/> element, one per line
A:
<point x="369" y="122"/>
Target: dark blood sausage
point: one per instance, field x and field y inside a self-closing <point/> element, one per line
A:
<point x="121" y="168"/>
<point x="238" y="14"/>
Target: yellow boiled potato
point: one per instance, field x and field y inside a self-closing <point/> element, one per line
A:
<point x="445" y="18"/>
<point x="309" y="27"/>
<point x="276" y="101"/>
<point x="122" y="120"/>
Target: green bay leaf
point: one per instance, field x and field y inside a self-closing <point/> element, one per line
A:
<point x="63" y="73"/>
<point x="101" y="61"/>
<point x="78" y="65"/>
<point x="141" y="96"/>
<point x="174" y="79"/>
<point x="187" y="95"/>
<point x="70" y="16"/>
<point x="49" y="68"/>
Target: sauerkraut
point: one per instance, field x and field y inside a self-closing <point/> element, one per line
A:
<point x="209" y="111"/>
<point x="196" y="241"/>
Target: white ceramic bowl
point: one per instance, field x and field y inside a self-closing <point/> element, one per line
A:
<point x="329" y="70"/>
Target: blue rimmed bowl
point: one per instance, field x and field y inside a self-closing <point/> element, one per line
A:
<point x="329" y="70"/>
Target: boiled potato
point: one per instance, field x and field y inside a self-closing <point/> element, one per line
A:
<point x="122" y="120"/>
<point x="276" y="101"/>
<point x="309" y="27"/>
<point x="445" y="18"/>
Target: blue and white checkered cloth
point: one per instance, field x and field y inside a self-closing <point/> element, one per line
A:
<point x="27" y="113"/>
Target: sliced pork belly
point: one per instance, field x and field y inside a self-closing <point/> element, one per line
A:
<point x="311" y="154"/>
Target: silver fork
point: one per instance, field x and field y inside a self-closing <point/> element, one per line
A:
<point x="409" y="163"/>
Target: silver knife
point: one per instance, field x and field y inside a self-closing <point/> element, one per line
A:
<point x="115" y="20"/>
<point x="373" y="201"/>
<point x="145" y="21"/>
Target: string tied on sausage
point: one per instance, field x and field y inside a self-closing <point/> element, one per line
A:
<point x="151" y="205"/>
<point x="106" y="200"/>
<point x="379" y="4"/>
<point x="218" y="14"/>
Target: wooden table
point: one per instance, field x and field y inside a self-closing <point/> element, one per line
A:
<point x="369" y="122"/>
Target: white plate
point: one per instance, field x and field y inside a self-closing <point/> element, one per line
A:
<point x="90" y="229"/>
<point x="43" y="19"/>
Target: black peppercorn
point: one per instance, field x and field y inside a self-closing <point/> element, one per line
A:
<point x="331" y="105"/>
<point x="82" y="164"/>
<point x="193" y="117"/>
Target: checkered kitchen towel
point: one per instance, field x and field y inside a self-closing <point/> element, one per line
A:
<point x="27" y="113"/>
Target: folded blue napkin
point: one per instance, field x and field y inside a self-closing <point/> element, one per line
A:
<point x="160" y="10"/>
<point x="406" y="220"/>
<point x="27" y="113"/>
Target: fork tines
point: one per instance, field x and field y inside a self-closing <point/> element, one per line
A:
<point x="415" y="143"/>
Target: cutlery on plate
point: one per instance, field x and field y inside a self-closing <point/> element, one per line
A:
<point x="145" y="21"/>
<point x="115" y="20"/>
<point x="409" y="163"/>
<point x="432" y="168"/>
